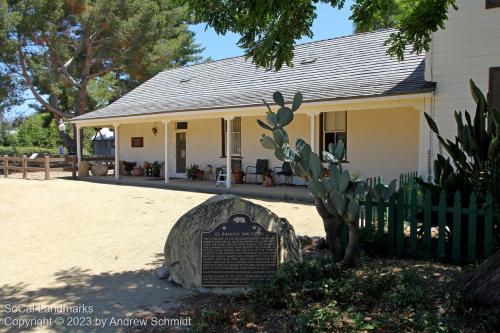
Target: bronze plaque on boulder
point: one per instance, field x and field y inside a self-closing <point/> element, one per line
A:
<point x="238" y="253"/>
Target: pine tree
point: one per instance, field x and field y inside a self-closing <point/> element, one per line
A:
<point x="76" y="55"/>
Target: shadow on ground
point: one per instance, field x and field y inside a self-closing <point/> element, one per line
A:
<point x="117" y="295"/>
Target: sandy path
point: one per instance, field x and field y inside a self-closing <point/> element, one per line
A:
<point x="72" y="242"/>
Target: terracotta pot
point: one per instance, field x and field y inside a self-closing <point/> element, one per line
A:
<point x="238" y="177"/>
<point x="200" y="174"/>
<point x="138" y="171"/>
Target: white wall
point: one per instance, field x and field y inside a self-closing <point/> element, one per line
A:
<point x="381" y="142"/>
<point x="465" y="50"/>
<point x="153" y="149"/>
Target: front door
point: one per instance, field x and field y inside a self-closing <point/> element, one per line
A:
<point x="180" y="152"/>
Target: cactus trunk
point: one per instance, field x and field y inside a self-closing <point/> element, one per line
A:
<point x="333" y="225"/>
<point x="353" y="246"/>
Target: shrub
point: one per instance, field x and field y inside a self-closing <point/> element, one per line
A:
<point x="20" y="151"/>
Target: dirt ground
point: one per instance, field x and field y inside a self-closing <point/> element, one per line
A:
<point x="65" y="242"/>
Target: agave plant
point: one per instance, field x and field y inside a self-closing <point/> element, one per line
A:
<point x="337" y="195"/>
<point x="473" y="164"/>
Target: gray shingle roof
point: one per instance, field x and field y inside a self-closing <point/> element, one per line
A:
<point x="339" y="68"/>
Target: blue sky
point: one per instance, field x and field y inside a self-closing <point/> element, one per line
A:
<point x="329" y="23"/>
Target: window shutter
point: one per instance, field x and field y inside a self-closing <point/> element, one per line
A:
<point x="495" y="87"/>
<point x="492" y="3"/>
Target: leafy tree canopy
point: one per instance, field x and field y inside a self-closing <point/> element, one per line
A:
<point x="269" y="29"/>
<point x="76" y="55"/>
<point x="38" y="130"/>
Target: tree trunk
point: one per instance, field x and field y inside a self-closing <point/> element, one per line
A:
<point x="353" y="246"/>
<point x="333" y="228"/>
<point x="482" y="285"/>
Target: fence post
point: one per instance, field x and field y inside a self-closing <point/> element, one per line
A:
<point x="46" y="165"/>
<point x="391" y="220"/>
<point x="471" y="246"/>
<point x="24" y="164"/>
<point x="442" y="224"/>
<point x="427" y="223"/>
<point x="5" y="166"/>
<point x="400" y="222"/>
<point x="369" y="212"/>
<point x="380" y="219"/>
<point x="457" y="223"/>
<point x="488" y="225"/>
<point x="413" y="221"/>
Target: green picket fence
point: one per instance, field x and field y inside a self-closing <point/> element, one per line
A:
<point x="411" y="226"/>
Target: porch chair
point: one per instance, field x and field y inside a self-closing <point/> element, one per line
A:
<point x="284" y="170"/>
<point x="221" y="176"/>
<point x="259" y="169"/>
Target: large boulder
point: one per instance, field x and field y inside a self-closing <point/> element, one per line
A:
<point x="183" y="246"/>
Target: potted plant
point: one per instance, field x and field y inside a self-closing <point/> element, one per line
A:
<point x="147" y="169"/>
<point x="191" y="171"/>
<point x="127" y="167"/>
<point x="238" y="175"/>
<point x="156" y="168"/>
<point x="137" y="171"/>
<point x="200" y="174"/>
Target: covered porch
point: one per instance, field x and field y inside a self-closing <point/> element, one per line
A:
<point x="386" y="136"/>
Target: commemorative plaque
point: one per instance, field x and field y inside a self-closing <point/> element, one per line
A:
<point x="238" y="253"/>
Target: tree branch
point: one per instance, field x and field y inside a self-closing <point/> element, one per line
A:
<point x="29" y="81"/>
<point x="104" y="71"/>
<point x="63" y="68"/>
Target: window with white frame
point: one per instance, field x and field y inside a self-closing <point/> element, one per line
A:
<point x="334" y="129"/>
<point x="235" y="136"/>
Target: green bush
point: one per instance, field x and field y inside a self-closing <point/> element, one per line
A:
<point x="20" y="151"/>
<point x="322" y="296"/>
<point x="38" y="130"/>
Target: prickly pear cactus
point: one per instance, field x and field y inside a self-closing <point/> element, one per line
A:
<point x="340" y="194"/>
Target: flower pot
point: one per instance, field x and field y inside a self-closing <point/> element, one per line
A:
<point x="155" y="172"/>
<point x="138" y="171"/>
<point x="238" y="177"/>
<point x="200" y="174"/>
<point x="99" y="170"/>
<point x="83" y="169"/>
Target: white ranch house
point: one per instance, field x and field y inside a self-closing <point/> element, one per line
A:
<point x="207" y="113"/>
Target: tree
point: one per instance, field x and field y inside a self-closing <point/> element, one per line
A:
<point x="38" y="130"/>
<point x="269" y="29"/>
<point x="378" y="15"/>
<point x="75" y="55"/>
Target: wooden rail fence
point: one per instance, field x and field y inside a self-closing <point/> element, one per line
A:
<point x="46" y="164"/>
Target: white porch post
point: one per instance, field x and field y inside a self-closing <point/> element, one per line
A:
<point x="165" y="123"/>
<point x="425" y="141"/>
<point x="228" y="152"/>
<point x="117" y="151"/>
<point x="313" y="131"/>
<point x="78" y="146"/>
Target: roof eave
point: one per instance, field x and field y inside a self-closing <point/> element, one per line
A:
<point x="428" y="91"/>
